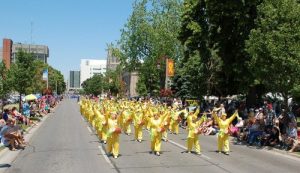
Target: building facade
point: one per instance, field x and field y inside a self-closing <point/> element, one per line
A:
<point x="130" y="79"/>
<point x="7" y="52"/>
<point x="112" y="62"/>
<point x="10" y="50"/>
<point x="39" y="52"/>
<point x="91" y="67"/>
<point x="74" y="80"/>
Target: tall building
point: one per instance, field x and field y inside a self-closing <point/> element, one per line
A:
<point x="90" y="67"/>
<point x="112" y="62"/>
<point x="74" y="80"/>
<point x="10" y="50"/>
<point x="40" y="52"/>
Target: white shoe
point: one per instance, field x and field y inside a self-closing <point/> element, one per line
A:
<point x="115" y="157"/>
<point x="157" y="153"/>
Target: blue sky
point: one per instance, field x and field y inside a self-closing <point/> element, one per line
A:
<point x="72" y="29"/>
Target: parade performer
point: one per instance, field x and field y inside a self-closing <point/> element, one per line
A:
<point x="138" y="122"/>
<point x="175" y="120"/>
<point x="126" y="118"/>
<point x="166" y="124"/>
<point x="156" y="130"/>
<point x="101" y="125"/>
<point x="193" y="134"/>
<point x="223" y="142"/>
<point x="113" y="135"/>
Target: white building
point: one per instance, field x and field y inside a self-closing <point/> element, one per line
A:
<point x="90" y="67"/>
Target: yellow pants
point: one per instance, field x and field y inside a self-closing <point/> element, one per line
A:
<point x="175" y="127"/>
<point x="99" y="133"/>
<point x="104" y="133"/>
<point x="94" y="123"/>
<point x="165" y="135"/>
<point x="223" y="142"/>
<point x="193" y="142"/>
<point x="148" y="125"/>
<point x="156" y="143"/>
<point x="138" y="132"/>
<point x="127" y="128"/>
<point x="113" y="144"/>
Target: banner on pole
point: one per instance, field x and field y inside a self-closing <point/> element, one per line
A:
<point x="170" y="68"/>
<point x="45" y="74"/>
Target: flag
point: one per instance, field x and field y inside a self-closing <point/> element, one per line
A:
<point x="45" y="74"/>
<point x="170" y="68"/>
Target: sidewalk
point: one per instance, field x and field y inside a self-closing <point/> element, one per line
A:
<point x="7" y="156"/>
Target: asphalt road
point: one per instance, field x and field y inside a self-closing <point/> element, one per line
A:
<point x="65" y="143"/>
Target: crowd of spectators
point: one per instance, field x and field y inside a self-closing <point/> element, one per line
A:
<point x="13" y="121"/>
<point x="265" y="125"/>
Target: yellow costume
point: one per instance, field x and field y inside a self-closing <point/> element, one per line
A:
<point x="193" y="135"/>
<point x="175" y="119"/>
<point x="113" y="138"/>
<point x="126" y="121"/>
<point x="101" y="126"/>
<point x="138" y="121"/>
<point x="224" y="123"/>
<point x="156" y="130"/>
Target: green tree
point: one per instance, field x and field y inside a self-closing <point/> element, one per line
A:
<point x="193" y="79"/>
<point x="56" y="80"/>
<point x="23" y="71"/>
<point x="112" y="82"/>
<point x="149" y="36"/>
<point x="93" y="85"/>
<point x="230" y="23"/>
<point x="5" y="84"/>
<point x="213" y="34"/>
<point x="38" y="85"/>
<point x="275" y="46"/>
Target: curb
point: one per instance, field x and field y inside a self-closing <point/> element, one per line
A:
<point x="282" y="152"/>
<point x="273" y="150"/>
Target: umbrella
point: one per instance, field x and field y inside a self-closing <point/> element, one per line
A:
<point x="30" y="97"/>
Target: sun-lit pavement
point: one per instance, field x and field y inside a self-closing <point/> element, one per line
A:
<point x="65" y="143"/>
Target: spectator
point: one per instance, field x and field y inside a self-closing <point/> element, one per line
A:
<point x="5" y="115"/>
<point x="296" y="144"/>
<point x="259" y="114"/>
<point x="270" y="115"/>
<point x="272" y="139"/>
<point x="18" y="116"/>
<point x="255" y="131"/>
<point x="11" y="135"/>
<point x="290" y="137"/>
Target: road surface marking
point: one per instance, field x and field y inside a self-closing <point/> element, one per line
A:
<point x="105" y="156"/>
<point x="90" y="130"/>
